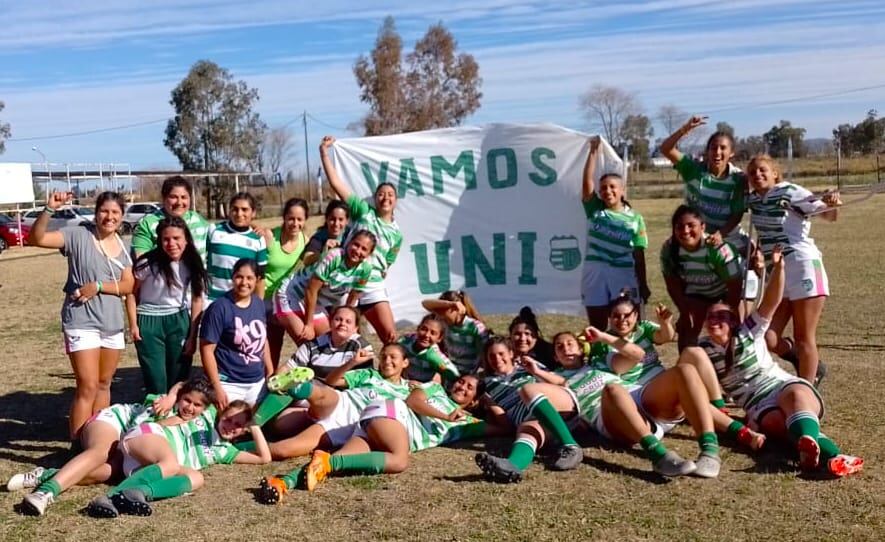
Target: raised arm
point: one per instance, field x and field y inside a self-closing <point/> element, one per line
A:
<point x="417" y="402"/>
<point x="588" y="190"/>
<point x="335" y="378"/>
<point x="667" y="332"/>
<point x="774" y="292"/>
<point x="668" y="146"/>
<point x="331" y="173"/>
<point x="533" y="368"/>
<point x="630" y="351"/>
<point x="48" y="239"/>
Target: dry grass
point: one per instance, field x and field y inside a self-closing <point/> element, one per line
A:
<point x="612" y="496"/>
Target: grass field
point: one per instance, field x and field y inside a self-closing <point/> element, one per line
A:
<point x="612" y="496"/>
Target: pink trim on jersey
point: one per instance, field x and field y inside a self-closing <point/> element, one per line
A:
<point x="819" y="277"/>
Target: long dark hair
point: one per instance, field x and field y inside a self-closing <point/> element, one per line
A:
<point x="673" y="244"/>
<point x="441" y="322"/>
<point x="158" y="261"/>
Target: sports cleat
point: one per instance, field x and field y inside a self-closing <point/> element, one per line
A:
<point x="568" y="458"/>
<point x="25" y="480"/>
<point x="821" y="373"/>
<point x="751" y="439"/>
<point x="498" y="469"/>
<point x="102" y="507"/>
<point x="36" y="503"/>
<point x="672" y="465"/>
<point x="271" y="490"/>
<point x="283" y="381"/>
<point x="809" y="453"/>
<point x="132" y="502"/>
<point x="707" y="466"/>
<point x="317" y="470"/>
<point x="844" y="465"/>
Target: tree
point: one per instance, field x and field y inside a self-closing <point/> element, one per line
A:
<point x="277" y="151"/>
<point x="671" y="117"/>
<point x="5" y="131"/>
<point x="607" y="107"/>
<point x="749" y="146"/>
<point x="214" y="128"/>
<point x="637" y="130"/>
<point x="437" y="88"/>
<point x="777" y="139"/>
<point x="725" y="128"/>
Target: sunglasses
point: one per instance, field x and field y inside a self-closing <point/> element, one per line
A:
<point x="720" y="317"/>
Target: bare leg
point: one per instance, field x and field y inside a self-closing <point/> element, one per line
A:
<point x="276" y="334"/>
<point x="697" y="358"/>
<point x="98" y="440"/>
<point x="676" y="391"/>
<point x="291" y="421"/>
<point x="389" y="436"/>
<point x="621" y="417"/>
<point x="381" y="318"/>
<point x="85" y="364"/>
<point x="299" y="445"/>
<point x="108" y="360"/>
<point x="806" y="315"/>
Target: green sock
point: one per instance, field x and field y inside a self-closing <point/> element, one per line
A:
<point x="367" y="463"/>
<point x="245" y="446"/>
<point x="709" y="443"/>
<point x="828" y="448"/>
<point x="804" y="423"/>
<point x="50" y="486"/>
<point x="167" y="488"/>
<point x="294" y="479"/>
<point x="272" y="405"/>
<point x="143" y="475"/>
<point x="301" y="391"/>
<point x="718" y="403"/>
<point x="549" y="417"/>
<point x="653" y="447"/>
<point x="734" y="428"/>
<point x="522" y="453"/>
<point x="48" y="473"/>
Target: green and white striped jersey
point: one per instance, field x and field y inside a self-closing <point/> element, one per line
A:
<point x="705" y="271"/>
<point x="364" y="217"/>
<point x="643" y="336"/>
<point x="197" y="444"/>
<point x="464" y="342"/>
<point x="777" y="224"/>
<point x="754" y="374"/>
<point x="125" y="416"/>
<point x="144" y="237"/>
<point x="367" y="385"/>
<point x="613" y="235"/>
<point x="716" y="199"/>
<point x="587" y="384"/>
<point x="224" y="247"/>
<point x="503" y="390"/>
<point x="423" y="364"/>
<point x="338" y="280"/>
<point x="430" y="432"/>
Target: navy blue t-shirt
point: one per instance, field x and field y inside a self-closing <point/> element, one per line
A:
<point x="239" y="335"/>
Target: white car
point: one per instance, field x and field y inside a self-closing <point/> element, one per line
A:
<point x="70" y="215"/>
<point x="137" y="211"/>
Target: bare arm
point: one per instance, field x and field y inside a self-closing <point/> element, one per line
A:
<point x="667" y="332"/>
<point x="438" y="305"/>
<point x="310" y="304"/>
<point x="39" y="236"/>
<point x="417" y="402"/>
<point x="629" y="350"/>
<point x="131" y="314"/>
<point x="774" y="292"/>
<point x="331" y="173"/>
<point x="262" y="450"/>
<point x="668" y="146"/>
<point x="335" y="378"/>
<point x="533" y="368"/>
<point x="588" y="188"/>
<point x="210" y="367"/>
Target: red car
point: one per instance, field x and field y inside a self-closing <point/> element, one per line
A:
<point x="10" y="234"/>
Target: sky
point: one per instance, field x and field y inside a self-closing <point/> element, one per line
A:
<point x="109" y="67"/>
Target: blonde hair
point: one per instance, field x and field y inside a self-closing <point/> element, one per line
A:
<point x="763" y="158"/>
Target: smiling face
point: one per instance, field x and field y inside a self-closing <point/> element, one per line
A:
<point x="343" y="325"/>
<point x="177" y="202"/>
<point x="499" y="359"/>
<point x="358" y="249"/>
<point x="336" y="221"/>
<point x="173" y="241"/>
<point x="294" y="219"/>
<point x="523" y="339"/>
<point x="464" y="390"/>
<point x="190" y="405"/>
<point x="393" y="362"/>
<point x="719" y="322"/>
<point x="567" y="351"/>
<point x="108" y="217"/>
<point x="385" y="199"/>
<point x="611" y="190"/>
<point x="233" y="423"/>
<point x="689" y="231"/>
<point x="718" y="154"/>
<point x="762" y="174"/>
<point x="622" y="319"/>
<point x="241" y="213"/>
<point x="244" y="280"/>
<point x="429" y="333"/>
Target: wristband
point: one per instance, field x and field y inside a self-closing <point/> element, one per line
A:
<point x="98" y="285"/>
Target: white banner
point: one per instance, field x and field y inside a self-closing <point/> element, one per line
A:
<point x="494" y="210"/>
<point x="15" y="183"/>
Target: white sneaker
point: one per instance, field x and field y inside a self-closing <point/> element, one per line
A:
<point x="25" y="480"/>
<point x="708" y="466"/>
<point x="35" y="504"/>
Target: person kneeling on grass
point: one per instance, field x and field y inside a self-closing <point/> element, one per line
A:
<point x="335" y="412"/>
<point x="99" y="461"/>
<point x="777" y="403"/>
<point x="602" y="401"/>
<point x="168" y="458"/>
<point x="389" y="431"/>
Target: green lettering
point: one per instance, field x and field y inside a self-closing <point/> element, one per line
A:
<point x="370" y="179"/>
<point x="549" y="174"/>
<point x="408" y="178"/>
<point x="527" y="257"/>
<point x="510" y="160"/>
<point x="422" y="265"/>
<point x="438" y="165"/>
<point x="475" y="259"/>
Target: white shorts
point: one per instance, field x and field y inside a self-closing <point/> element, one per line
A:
<point x="283" y="308"/>
<point x="342" y="422"/>
<point x="805" y="279"/>
<point x="597" y="424"/>
<point x="252" y="393"/>
<point x="130" y="464"/>
<point x="659" y="427"/>
<point x="758" y="411"/>
<point x="602" y="283"/>
<point x="391" y="409"/>
<point x="376" y="294"/>
<point x="90" y="339"/>
<point x="751" y="285"/>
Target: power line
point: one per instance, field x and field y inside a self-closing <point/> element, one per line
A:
<point x="797" y="99"/>
<point x="89" y="132"/>
<point x="327" y="125"/>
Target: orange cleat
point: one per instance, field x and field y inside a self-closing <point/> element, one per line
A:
<point x="271" y="490"/>
<point x="844" y="465"/>
<point x="318" y="468"/>
<point x="809" y="453"/>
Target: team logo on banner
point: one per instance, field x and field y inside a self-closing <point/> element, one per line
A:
<point x="565" y="253"/>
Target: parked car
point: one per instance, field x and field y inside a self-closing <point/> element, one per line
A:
<point x="137" y="211"/>
<point x="71" y="215"/>
<point x="11" y="234"/>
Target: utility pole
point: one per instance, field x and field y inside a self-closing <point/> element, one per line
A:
<point x="306" y="153"/>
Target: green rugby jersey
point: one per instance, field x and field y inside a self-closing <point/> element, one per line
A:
<point x="643" y="336"/>
<point x="705" y="271"/>
<point x="144" y="236"/>
<point x="613" y="235"/>
<point x="364" y="217"/>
